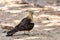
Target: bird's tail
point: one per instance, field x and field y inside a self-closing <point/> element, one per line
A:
<point x="11" y="32"/>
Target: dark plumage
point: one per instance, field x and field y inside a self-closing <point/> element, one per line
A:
<point x="24" y="25"/>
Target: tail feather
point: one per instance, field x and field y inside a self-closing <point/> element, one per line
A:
<point x="11" y="32"/>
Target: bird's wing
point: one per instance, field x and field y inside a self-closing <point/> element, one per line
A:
<point x="25" y="21"/>
<point x="23" y="24"/>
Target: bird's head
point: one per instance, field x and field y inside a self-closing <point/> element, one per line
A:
<point x="32" y="12"/>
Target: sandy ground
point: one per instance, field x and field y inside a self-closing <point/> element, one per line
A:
<point x="39" y="32"/>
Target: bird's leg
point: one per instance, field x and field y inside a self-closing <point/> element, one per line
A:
<point x="24" y="32"/>
<point x="28" y="32"/>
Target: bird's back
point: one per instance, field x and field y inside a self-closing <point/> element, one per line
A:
<point x="23" y="24"/>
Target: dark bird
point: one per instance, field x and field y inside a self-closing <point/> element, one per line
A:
<point x="25" y="25"/>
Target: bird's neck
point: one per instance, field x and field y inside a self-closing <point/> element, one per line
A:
<point x="30" y="15"/>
